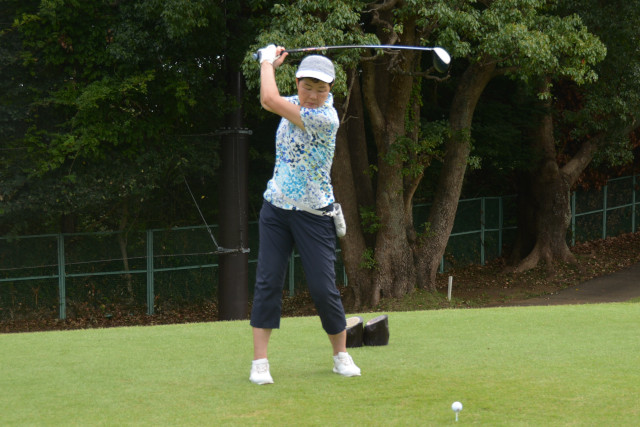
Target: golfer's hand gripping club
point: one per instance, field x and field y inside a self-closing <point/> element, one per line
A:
<point x="267" y="53"/>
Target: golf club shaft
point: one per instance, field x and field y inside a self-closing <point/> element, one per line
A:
<point x="355" y="46"/>
<point x="360" y="46"/>
<point x="441" y="58"/>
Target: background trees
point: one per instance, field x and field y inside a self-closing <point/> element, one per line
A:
<point x="579" y="124"/>
<point x="409" y="126"/>
<point x="106" y="105"/>
<point x="113" y="102"/>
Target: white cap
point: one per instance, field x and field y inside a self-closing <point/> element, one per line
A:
<point x="317" y="67"/>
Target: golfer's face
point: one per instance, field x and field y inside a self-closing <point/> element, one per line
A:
<point x="312" y="94"/>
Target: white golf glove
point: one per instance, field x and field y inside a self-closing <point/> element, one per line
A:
<point x="267" y="53"/>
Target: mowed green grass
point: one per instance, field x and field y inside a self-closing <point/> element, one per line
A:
<point x="533" y="366"/>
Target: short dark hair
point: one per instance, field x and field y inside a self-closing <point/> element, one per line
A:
<point x="314" y="80"/>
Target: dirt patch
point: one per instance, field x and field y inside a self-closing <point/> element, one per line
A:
<point x="606" y="271"/>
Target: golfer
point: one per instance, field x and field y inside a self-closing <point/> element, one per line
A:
<point x="305" y="145"/>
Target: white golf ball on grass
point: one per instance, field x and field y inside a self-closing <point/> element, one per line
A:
<point x="457" y="407"/>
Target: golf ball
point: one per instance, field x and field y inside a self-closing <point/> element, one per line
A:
<point x="456" y="406"/>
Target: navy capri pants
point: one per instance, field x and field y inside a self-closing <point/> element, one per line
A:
<point x="315" y="238"/>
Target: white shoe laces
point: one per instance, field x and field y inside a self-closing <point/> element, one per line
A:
<point x="262" y="368"/>
<point x="345" y="360"/>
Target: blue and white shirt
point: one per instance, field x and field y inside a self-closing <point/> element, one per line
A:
<point x="304" y="158"/>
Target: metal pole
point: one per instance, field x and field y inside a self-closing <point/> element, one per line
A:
<point x="633" y="204"/>
<point x="62" y="291"/>
<point x="150" y="276"/>
<point x="292" y="273"/>
<point x="573" y="218"/>
<point x="233" y="275"/>
<point x="500" y="225"/>
<point x="604" y="212"/>
<point x="482" y="228"/>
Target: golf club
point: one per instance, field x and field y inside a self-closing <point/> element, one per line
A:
<point x="441" y="59"/>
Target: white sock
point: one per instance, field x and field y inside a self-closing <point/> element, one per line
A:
<point x="259" y="361"/>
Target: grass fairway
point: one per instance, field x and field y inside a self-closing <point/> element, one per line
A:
<point x="561" y="365"/>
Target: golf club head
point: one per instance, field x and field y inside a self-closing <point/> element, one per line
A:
<point x="441" y="59"/>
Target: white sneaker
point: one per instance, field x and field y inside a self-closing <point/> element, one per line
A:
<point x="343" y="365"/>
<point x="260" y="372"/>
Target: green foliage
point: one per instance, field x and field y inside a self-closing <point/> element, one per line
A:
<point x="180" y="17"/>
<point x="611" y="104"/>
<point x="474" y="162"/>
<point x="424" y="231"/>
<point x="304" y="23"/>
<point x="525" y="37"/>
<point x="416" y="155"/>
<point x="502" y="131"/>
<point x="369" y="220"/>
<point x="103" y="86"/>
<point x="422" y="141"/>
<point x="368" y="260"/>
<point x="526" y="40"/>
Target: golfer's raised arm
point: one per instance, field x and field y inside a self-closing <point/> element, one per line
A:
<point x="272" y="58"/>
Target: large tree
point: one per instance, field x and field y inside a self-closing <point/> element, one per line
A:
<point x="579" y="125"/>
<point x="385" y="254"/>
<point x="112" y="102"/>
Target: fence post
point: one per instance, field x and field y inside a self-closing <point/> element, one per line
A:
<point x="573" y="218"/>
<point x="150" y="289"/>
<point x="345" y="279"/>
<point x="292" y="271"/>
<point x="500" y="225"/>
<point x="604" y="212"/>
<point x="482" y="227"/>
<point x="633" y="204"/>
<point x="62" y="291"/>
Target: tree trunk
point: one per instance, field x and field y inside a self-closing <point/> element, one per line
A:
<point x="387" y="104"/>
<point x="357" y="145"/>
<point x="352" y="189"/>
<point x="457" y="148"/>
<point x="526" y="231"/>
<point x="550" y="204"/>
<point x="549" y="200"/>
<point x="394" y="259"/>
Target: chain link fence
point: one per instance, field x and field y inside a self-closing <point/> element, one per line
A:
<point x="69" y="274"/>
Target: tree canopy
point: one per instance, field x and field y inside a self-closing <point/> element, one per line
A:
<point x="524" y="40"/>
<point x="102" y="96"/>
<point x="106" y="105"/>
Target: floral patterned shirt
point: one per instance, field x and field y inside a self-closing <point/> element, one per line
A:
<point x="304" y="158"/>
